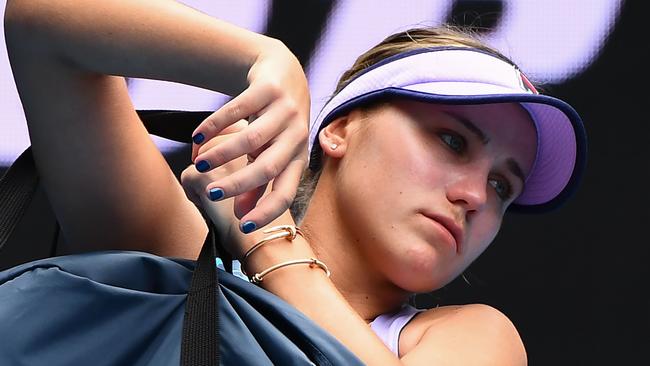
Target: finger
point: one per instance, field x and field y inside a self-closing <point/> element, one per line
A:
<point x="187" y="183"/>
<point x="235" y="127"/>
<point x="249" y="102"/>
<point x="278" y="200"/>
<point x="207" y="145"/>
<point x="266" y="167"/>
<point x="246" y="201"/>
<point x="195" y="151"/>
<point x="248" y="140"/>
<point x="193" y="197"/>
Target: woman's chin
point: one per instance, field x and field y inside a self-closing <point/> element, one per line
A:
<point x="421" y="285"/>
<point x="421" y="277"/>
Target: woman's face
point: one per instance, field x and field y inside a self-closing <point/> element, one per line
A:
<point x="424" y="187"/>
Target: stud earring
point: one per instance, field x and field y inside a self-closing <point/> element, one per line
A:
<point x="333" y="146"/>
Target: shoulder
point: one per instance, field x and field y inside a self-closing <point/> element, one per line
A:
<point x="474" y="334"/>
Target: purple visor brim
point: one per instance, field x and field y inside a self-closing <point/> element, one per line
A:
<point x="480" y="79"/>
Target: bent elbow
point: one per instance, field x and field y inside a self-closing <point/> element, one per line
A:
<point x="32" y="22"/>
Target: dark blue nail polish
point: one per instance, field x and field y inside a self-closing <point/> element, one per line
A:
<point x="216" y="194"/>
<point x="202" y="166"/>
<point x="248" y="227"/>
<point x="198" y="138"/>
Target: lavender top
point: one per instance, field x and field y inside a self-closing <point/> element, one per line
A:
<point x="389" y="326"/>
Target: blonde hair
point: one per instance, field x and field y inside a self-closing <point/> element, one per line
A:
<point x="412" y="39"/>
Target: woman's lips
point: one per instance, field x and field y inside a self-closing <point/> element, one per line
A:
<point x="448" y="226"/>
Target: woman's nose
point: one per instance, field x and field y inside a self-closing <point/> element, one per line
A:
<point x="468" y="190"/>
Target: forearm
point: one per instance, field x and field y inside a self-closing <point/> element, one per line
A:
<point x="148" y="38"/>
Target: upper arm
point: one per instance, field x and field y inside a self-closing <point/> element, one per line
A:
<point x="467" y="335"/>
<point x="108" y="184"/>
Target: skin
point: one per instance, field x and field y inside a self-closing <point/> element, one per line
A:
<point x="409" y="152"/>
<point x="411" y="170"/>
<point x="107" y="159"/>
<point x="83" y="126"/>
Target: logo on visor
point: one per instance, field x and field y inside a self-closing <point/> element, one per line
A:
<point x="524" y="83"/>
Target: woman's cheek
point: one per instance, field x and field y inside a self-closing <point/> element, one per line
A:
<point x="482" y="235"/>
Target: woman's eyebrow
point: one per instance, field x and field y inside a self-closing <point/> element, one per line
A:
<point x="470" y="126"/>
<point x="515" y="169"/>
<point x="513" y="166"/>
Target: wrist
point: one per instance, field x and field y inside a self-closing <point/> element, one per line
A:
<point x="275" y="252"/>
<point x="284" y="243"/>
<point x="274" y="51"/>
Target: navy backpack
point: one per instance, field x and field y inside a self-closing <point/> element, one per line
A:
<point x="134" y="308"/>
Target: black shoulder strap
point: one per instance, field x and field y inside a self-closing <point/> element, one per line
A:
<point x="17" y="187"/>
<point x="174" y="125"/>
<point x="200" y="342"/>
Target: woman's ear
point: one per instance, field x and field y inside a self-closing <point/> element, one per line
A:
<point x="333" y="137"/>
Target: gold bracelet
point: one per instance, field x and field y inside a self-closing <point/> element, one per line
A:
<point x="259" y="277"/>
<point x="283" y="231"/>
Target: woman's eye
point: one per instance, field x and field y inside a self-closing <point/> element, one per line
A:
<point x="501" y="187"/>
<point x="455" y="142"/>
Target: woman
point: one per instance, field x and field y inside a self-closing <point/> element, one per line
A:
<point x="412" y="170"/>
<point x="409" y="186"/>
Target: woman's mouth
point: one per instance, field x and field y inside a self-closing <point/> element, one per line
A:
<point x="448" y="227"/>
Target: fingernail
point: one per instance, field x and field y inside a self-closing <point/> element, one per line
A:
<point x="216" y="194"/>
<point x="198" y="138"/>
<point x="202" y="166"/>
<point x="248" y="227"/>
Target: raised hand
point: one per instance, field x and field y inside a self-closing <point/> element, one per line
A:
<point x="276" y="104"/>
